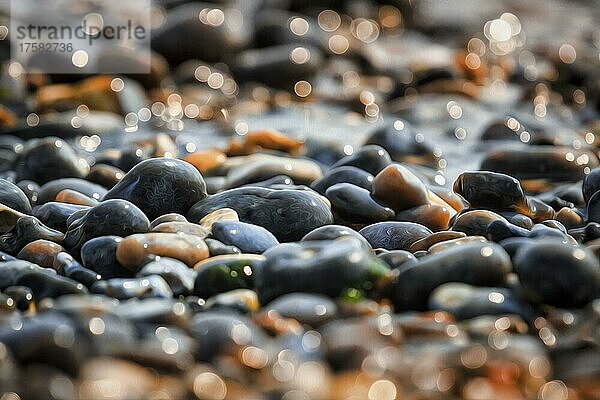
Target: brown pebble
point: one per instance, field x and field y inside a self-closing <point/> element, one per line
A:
<point x="134" y="249"/>
<point x="183" y="227"/>
<point x="74" y="197"/>
<point x="41" y="252"/>
<point x="171" y="217"/>
<point x="399" y="188"/>
<point x="163" y="145"/>
<point x="569" y="217"/>
<point x="206" y="160"/>
<point x="426" y="243"/>
<point x="222" y="214"/>
<point x="476" y="222"/>
<point x="432" y="216"/>
<point x="454" y="200"/>
<point x="456" y="242"/>
<point x="255" y="141"/>
<point x="105" y="175"/>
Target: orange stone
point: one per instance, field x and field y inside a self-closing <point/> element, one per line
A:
<point x="399" y="188"/>
<point x="206" y="160"/>
<point x="135" y="249"/>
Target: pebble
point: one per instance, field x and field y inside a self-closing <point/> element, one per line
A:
<point x="8" y="218"/>
<point x="134" y="250"/>
<point x="31" y="190"/>
<point x="398" y="259"/>
<point x="73" y="197"/>
<point x="71" y="268"/>
<point x="475" y="223"/>
<point x="45" y="284"/>
<point x="259" y="167"/>
<point x="344" y="174"/>
<point x="465" y="302"/>
<point x="355" y="204"/>
<point x="332" y="232"/>
<point x="110" y="217"/>
<point x="41" y="252"/>
<point x="105" y="175"/>
<point x="559" y="274"/>
<point x="403" y="145"/>
<point x="26" y="230"/>
<point x="252" y="239"/>
<point x="216" y="248"/>
<point x="183" y="227"/>
<point x="55" y="215"/>
<point x="432" y="216"/>
<point x="100" y="255"/>
<point x="490" y="190"/>
<point x="220" y="274"/>
<point x="394" y="235"/>
<point x="12" y="196"/>
<point x="215" y="334"/>
<point x="43" y="160"/>
<point x="288" y="214"/>
<point x="262" y="65"/>
<point x="49" y="191"/>
<point x="122" y="289"/>
<point x="322" y="267"/>
<point x="436" y="237"/>
<point x="310" y="309"/>
<point x="370" y="158"/>
<point x="222" y="214"/>
<point x="177" y="274"/>
<point x="480" y="264"/>
<point x="399" y="188"/>
<point x="160" y="186"/>
<point x="540" y="162"/>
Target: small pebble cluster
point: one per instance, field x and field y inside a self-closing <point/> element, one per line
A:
<point x="195" y="254"/>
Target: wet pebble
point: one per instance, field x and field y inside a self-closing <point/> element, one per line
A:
<point x="559" y="274"/>
<point x="12" y="196"/>
<point x="466" y="301"/>
<point x="287" y="214"/>
<point x="122" y="289"/>
<point x="100" y="255"/>
<point x="332" y="232"/>
<point x="540" y="162"/>
<point x="110" y="217"/>
<point x="178" y="275"/>
<point x="41" y="252"/>
<point x="26" y="230"/>
<point x="248" y="238"/>
<point x="50" y="158"/>
<point x="344" y="174"/>
<point x="310" y="309"/>
<point x="324" y="267"/>
<point x="133" y="251"/>
<point x="370" y="158"/>
<point x="160" y="186"/>
<point x="48" y="284"/>
<point x="481" y="264"/>
<point x="55" y="215"/>
<point x="394" y="235"/>
<point x="355" y="204"/>
<point x="223" y="273"/>
<point x="49" y="191"/>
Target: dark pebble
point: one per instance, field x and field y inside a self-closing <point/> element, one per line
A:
<point x="248" y="238"/>
<point x="160" y="186"/>
<point x="288" y="214"/>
